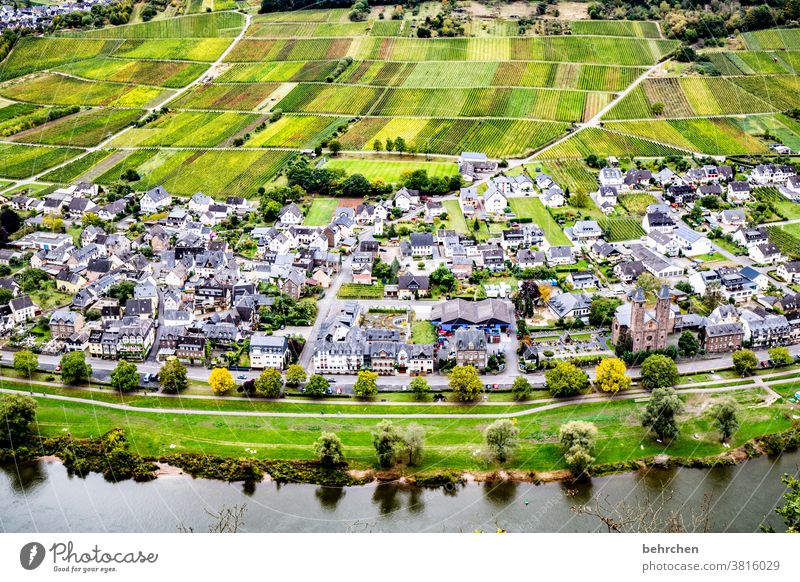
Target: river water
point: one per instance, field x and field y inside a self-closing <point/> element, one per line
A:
<point x="43" y="497"/>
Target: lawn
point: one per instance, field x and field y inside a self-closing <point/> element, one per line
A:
<point x="531" y="207"/>
<point x="448" y="444"/>
<point x="321" y="211"/>
<point x="391" y="171"/>
<point x="360" y="291"/>
<point x="455" y="218"/>
<point x="423" y="332"/>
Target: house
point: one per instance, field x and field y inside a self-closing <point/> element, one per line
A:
<point x="154" y="200"/>
<point x="750" y="237"/>
<point x="680" y="194"/>
<point x="574" y="305"/>
<point x="421" y="244"/>
<point x="691" y="243"/>
<point x="472" y="163"/>
<point x="739" y="191"/>
<point x="23" y="309"/>
<point x="607" y="196"/>
<point x="635" y="179"/>
<point x="492" y="315"/>
<point x="734" y="218"/>
<point x="527" y="259"/>
<point x="764" y="174"/>
<point x="765" y="253"/>
<point x="294" y="285"/>
<point x="290" y="215"/>
<point x="406" y="199"/>
<point x="658" y="221"/>
<point x="762" y="329"/>
<point x="603" y="251"/>
<point x="553" y="197"/>
<point x="722" y="337"/>
<point x="582" y="280"/>
<point x="268" y="351"/>
<point x="611" y="177"/>
<point x="666" y="177"/>
<point x="495" y="202"/>
<point x="199" y="203"/>
<point x="790" y="271"/>
<point x="469" y="345"/>
<point x="468" y="200"/>
<point x="664" y="244"/>
<point x="629" y="271"/>
<point x="64" y="323"/>
<point x="434" y="209"/>
<point x="655" y="263"/>
<point x="584" y="232"/>
<point x="559" y="255"/>
<point x="412" y="286"/>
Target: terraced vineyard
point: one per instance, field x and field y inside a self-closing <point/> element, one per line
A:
<point x="502" y="90"/>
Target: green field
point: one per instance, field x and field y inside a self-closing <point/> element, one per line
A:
<point x="74" y="170"/>
<point x="214" y="24"/>
<point x="161" y="73"/>
<point x="84" y="129"/>
<point x="321" y="211"/>
<point x="360" y="291"/>
<point x="598" y="141"/>
<point x="304" y="131"/>
<point x="619" y="229"/>
<point x="391" y="171"/>
<point x="787" y="239"/>
<point x="636" y="204"/>
<point x="423" y="332"/>
<point x="188" y="129"/>
<point x="531" y="207"/>
<point x="37" y="54"/>
<point x="22" y="161"/>
<point x="52" y="89"/>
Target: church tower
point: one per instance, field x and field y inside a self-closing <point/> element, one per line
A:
<point x="638" y="309"/>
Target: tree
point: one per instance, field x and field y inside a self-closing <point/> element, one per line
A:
<point x="377" y="145"/>
<point x="659" y="372"/>
<point x="270" y="383"/>
<point x="660" y="414"/>
<point x="122" y="291"/>
<point x="295" y="375"/>
<point x="688" y="344"/>
<point x="317" y="386"/>
<point x="420" y="388"/>
<point x="780" y="356"/>
<point x="386" y="439"/>
<point x="611" y="376"/>
<point x="649" y="284"/>
<point x="577" y="440"/>
<point x="17" y="413"/>
<point x="566" y="380"/>
<point x="521" y="388"/>
<point x="125" y="377"/>
<point x="328" y="449"/>
<point x="684" y="286"/>
<point x="366" y="385"/>
<point x="465" y="383"/>
<point x="414" y="443"/>
<point x="713" y="298"/>
<point x="502" y="438"/>
<point x="602" y="310"/>
<point x="221" y="381"/>
<point x="581" y="200"/>
<point x="790" y="511"/>
<point x="172" y="377"/>
<point x="334" y="146"/>
<point x="26" y="363"/>
<point x="725" y="414"/>
<point x="74" y="369"/>
<point x="657" y="108"/>
<point x="745" y="361"/>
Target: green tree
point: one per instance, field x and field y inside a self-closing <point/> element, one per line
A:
<point x="295" y="375"/>
<point x="414" y="443"/>
<point x="465" y="383"/>
<point x="790" y="511"/>
<point x="420" y="388"/>
<point x="566" y="380"/>
<point x="17" y="413"/>
<point x="602" y="310"/>
<point x="334" y="146"/>
<point x="377" y="145"/>
<point x="502" y="437"/>
<point x="328" y="449"/>
<point x="172" y="377"/>
<point x="26" y="363"/>
<point x="659" y="372"/>
<point x="780" y="356"/>
<point x="270" y="383"/>
<point x="726" y="417"/>
<point x="577" y="439"/>
<point x="366" y="385"/>
<point x="521" y="388"/>
<point x="316" y="386"/>
<point x="386" y="440"/>
<point x="661" y="412"/>
<point x="688" y="344"/>
<point x="745" y="362"/>
<point x="74" y="369"/>
<point x="125" y="377"/>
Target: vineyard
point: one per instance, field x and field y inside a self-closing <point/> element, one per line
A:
<point x="22" y="161"/>
<point x="636" y="204"/>
<point x="620" y="229"/>
<point x="642" y="29"/>
<point x="83" y="129"/>
<point x="294" y="71"/>
<point x="52" y="89"/>
<point x="160" y="73"/>
<point x="788" y="243"/>
<point x="213" y="24"/>
<point x="304" y="131"/>
<point x="236" y="97"/>
<point x="594" y="140"/>
<point x="391" y="171"/>
<point x="777" y="38"/>
<point x="187" y="129"/>
<point x="572" y="174"/>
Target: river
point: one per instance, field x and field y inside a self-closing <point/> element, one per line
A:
<point x="43" y="497"/>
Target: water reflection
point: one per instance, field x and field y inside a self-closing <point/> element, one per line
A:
<point x="500" y="492"/>
<point x="329" y="497"/>
<point x="24" y="478"/>
<point x="385" y="498"/>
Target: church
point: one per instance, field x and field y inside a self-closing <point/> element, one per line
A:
<point x="645" y="329"/>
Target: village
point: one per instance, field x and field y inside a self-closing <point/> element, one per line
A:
<point x="386" y="286"/>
